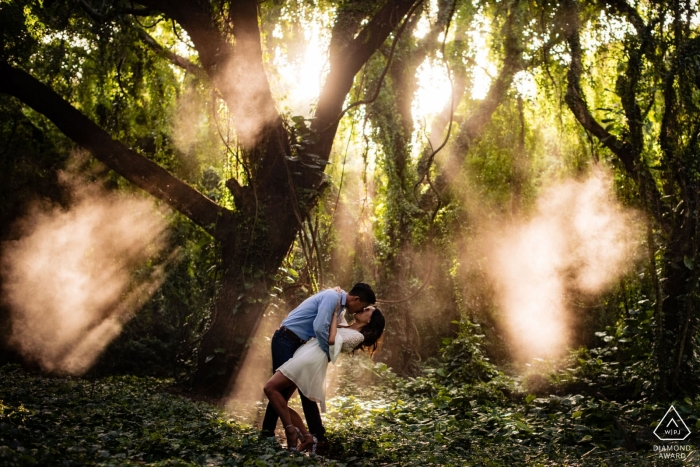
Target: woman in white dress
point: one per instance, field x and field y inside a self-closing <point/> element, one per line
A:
<point x="307" y="370"/>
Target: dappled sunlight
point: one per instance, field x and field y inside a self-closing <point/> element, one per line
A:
<point x="525" y="84"/>
<point x="432" y="97"/>
<point x="179" y="43"/>
<point x="429" y="16"/>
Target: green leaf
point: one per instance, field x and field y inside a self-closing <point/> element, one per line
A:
<point x="688" y="261"/>
<point x="530" y="398"/>
<point x="576" y="414"/>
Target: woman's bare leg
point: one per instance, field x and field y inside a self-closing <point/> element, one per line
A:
<point x="298" y="422"/>
<point x="309" y="439"/>
<point x="275" y="392"/>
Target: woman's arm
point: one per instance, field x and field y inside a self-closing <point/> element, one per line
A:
<point x="334" y="326"/>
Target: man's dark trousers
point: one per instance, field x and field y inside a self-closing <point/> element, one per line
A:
<point x="283" y="348"/>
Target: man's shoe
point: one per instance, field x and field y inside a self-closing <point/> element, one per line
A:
<point x="329" y="448"/>
<point x="323" y="447"/>
<point x="265" y="435"/>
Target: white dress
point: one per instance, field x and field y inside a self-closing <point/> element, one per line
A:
<point x="307" y="369"/>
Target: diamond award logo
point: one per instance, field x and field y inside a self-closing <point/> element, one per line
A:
<point x="672" y="427"/>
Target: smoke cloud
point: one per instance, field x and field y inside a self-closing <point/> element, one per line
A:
<point x="70" y="281"/>
<point x="580" y="240"/>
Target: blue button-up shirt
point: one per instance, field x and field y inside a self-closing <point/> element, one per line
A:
<point x="313" y="317"/>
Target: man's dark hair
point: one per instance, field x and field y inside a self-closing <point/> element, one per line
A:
<point x="364" y="291"/>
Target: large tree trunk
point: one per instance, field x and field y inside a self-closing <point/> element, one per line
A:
<point x="276" y="203"/>
<point x="238" y="310"/>
<point x="264" y="230"/>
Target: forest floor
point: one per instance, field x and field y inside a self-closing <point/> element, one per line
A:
<point x="395" y="421"/>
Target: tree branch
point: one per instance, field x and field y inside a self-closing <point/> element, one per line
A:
<point x="473" y="126"/>
<point x="628" y="151"/>
<point x="97" y="16"/>
<point x="621" y="7"/>
<point x="145" y="37"/>
<point x="140" y="171"/>
<point x="197" y="18"/>
<point x="574" y="94"/>
<point x="345" y="61"/>
<point x="236" y="70"/>
<point x="375" y="32"/>
<point x="92" y="13"/>
<point x="176" y="59"/>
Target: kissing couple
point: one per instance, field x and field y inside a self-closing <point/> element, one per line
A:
<point x="312" y="335"/>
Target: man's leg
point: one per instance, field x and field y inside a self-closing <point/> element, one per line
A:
<point x="313" y="417"/>
<point x="283" y="348"/>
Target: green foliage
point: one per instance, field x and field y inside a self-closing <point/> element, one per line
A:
<point x="435" y="420"/>
<point x="30" y="158"/>
<point x="120" y="421"/>
<point x="444" y="418"/>
<point x="463" y="359"/>
<point x="106" y="71"/>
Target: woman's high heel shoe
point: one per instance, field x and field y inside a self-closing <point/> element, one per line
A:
<point x="308" y="441"/>
<point x="292" y="441"/>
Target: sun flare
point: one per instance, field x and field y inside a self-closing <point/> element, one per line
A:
<point x="296" y="82"/>
<point x="483" y="69"/>
<point x="434" y="90"/>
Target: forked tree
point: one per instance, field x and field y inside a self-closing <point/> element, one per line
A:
<point x="284" y="176"/>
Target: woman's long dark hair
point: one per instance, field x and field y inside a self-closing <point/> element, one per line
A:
<point x="372" y="332"/>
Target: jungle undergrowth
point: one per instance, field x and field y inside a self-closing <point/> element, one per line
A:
<point x="445" y="417"/>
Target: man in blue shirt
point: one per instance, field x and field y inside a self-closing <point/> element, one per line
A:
<point x="312" y="319"/>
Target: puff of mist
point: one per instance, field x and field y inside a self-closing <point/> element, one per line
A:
<point x="247" y="83"/>
<point x="70" y="280"/>
<point x="187" y="120"/>
<point x="579" y="241"/>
